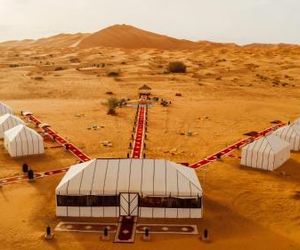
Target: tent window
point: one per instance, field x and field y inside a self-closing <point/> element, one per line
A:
<point x="170" y="202"/>
<point x="87" y="201"/>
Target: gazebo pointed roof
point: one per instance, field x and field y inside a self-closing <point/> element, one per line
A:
<point x="145" y="87"/>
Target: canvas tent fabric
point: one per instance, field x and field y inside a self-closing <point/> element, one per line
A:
<point x="153" y="181"/>
<point x="267" y="153"/>
<point x="4" y="109"/>
<point x="22" y="141"/>
<point x="7" y="122"/>
<point x="290" y="134"/>
<point x="297" y="121"/>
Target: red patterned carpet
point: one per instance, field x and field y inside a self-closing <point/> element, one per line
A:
<point x="57" y="138"/>
<point x="138" y="144"/>
<point x="126" y="230"/>
<point x="228" y="150"/>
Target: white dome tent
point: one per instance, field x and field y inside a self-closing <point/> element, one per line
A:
<point x="4" y="109"/>
<point x="7" y="122"/>
<point x="267" y="153"/>
<point x="129" y="187"/>
<point x="22" y="141"/>
<point x="290" y="134"/>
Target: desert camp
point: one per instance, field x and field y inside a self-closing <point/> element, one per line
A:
<point x="146" y="125"/>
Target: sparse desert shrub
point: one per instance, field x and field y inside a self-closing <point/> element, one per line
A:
<point x="38" y="78"/>
<point x="113" y="73"/>
<point x="177" y="67"/>
<point x="74" y="60"/>
<point x="59" y="68"/>
<point x="14" y="65"/>
<point x="112" y="104"/>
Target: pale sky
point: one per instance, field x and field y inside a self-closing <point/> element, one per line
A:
<point x="240" y="21"/>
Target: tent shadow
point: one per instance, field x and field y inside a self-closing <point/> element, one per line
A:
<point x="289" y="171"/>
<point x="237" y="227"/>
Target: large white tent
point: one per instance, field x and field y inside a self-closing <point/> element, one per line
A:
<point x="7" y="122"/>
<point x="22" y="141"/>
<point x="129" y="187"/>
<point x="290" y="134"/>
<point x="267" y="153"/>
<point x="4" y="109"/>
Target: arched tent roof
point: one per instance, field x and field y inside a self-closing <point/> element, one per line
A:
<point x="267" y="153"/>
<point x="144" y="176"/>
<point x="22" y="141"/>
<point x="7" y="122"/>
<point x="290" y="134"/>
<point x="4" y="109"/>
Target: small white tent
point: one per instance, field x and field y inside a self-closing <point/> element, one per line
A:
<point x="290" y="134"/>
<point x="129" y="187"/>
<point x="267" y="153"/>
<point x="22" y="141"/>
<point x="297" y="121"/>
<point x="7" y="122"/>
<point x="4" y="109"/>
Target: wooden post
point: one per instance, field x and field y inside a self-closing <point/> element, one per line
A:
<point x="105" y="235"/>
<point x="146" y="236"/>
<point x="25" y="168"/>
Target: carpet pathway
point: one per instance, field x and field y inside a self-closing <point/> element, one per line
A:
<point x="228" y="150"/>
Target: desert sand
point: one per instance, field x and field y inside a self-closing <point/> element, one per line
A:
<point x="228" y="90"/>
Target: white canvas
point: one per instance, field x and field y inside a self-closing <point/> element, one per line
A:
<point x="5" y="109"/>
<point x="7" y="122"/>
<point x="290" y="134"/>
<point x="23" y="141"/>
<point x="144" y="177"/>
<point x="267" y="153"/>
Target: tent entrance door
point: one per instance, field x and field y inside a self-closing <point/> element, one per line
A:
<point x="129" y="204"/>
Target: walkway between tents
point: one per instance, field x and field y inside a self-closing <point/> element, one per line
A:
<point x="228" y="150"/>
<point x="56" y="137"/>
<point x="140" y="127"/>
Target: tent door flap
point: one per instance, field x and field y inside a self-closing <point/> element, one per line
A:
<point x="129" y="204"/>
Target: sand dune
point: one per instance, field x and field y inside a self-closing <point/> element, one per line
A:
<point x="57" y="41"/>
<point x="129" y="37"/>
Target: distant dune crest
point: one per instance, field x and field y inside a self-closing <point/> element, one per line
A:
<point x="129" y="37"/>
<point x="126" y="37"/>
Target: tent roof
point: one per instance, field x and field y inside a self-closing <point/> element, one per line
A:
<point x="9" y="118"/>
<point x="144" y="176"/>
<point x="297" y="121"/>
<point x="145" y="87"/>
<point x="4" y="109"/>
<point x="21" y="131"/>
<point x="271" y="142"/>
<point x="289" y="130"/>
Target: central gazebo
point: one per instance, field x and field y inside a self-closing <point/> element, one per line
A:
<point x="145" y="90"/>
